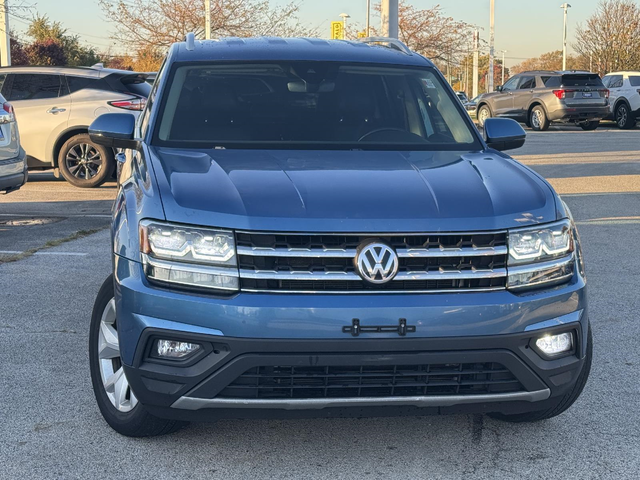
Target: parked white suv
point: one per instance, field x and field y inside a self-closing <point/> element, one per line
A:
<point x="624" y="97"/>
<point x="54" y="107"/>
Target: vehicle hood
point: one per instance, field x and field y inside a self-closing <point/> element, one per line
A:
<point x="350" y="191"/>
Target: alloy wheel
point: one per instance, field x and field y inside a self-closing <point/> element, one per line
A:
<point x="83" y="161"/>
<point x="622" y="115"/>
<point x="536" y="119"/>
<point x="484" y="114"/>
<point x="114" y="380"/>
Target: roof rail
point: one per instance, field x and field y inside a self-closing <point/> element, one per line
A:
<point x="190" y="39"/>
<point x="390" y="42"/>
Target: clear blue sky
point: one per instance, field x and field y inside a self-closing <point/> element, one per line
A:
<point x="524" y="28"/>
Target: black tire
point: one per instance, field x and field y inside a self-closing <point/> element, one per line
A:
<point x="589" y="126"/>
<point x="484" y="113"/>
<point x="137" y="422"/>
<point x="625" y="119"/>
<point x="563" y="402"/>
<point x="538" y="119"/>
<point x="91" y="173"/>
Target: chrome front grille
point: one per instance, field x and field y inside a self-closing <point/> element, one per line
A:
<point x="325" y="263"/>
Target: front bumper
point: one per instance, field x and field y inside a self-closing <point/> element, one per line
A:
<point x="259" y="330"/>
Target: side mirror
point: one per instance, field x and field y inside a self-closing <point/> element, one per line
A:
<point x="499" y="88"/>
<point x="114" y="130"/>
<point x="503" y="134"/>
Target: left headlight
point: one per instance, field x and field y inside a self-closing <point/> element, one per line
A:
<point x="541" y="255"/>
<point x="189" y="256"/>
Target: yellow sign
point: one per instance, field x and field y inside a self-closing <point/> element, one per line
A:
<point x="337" y="31"/>
<point x="362" y="34"/>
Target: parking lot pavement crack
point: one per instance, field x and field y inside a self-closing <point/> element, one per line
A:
<point x="50" y="244"/>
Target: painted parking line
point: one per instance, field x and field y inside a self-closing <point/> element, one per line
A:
<point x="597" y="184"/>
<point x="17" y="252"/>
<point x="633" y="220"/>
<point x="576" y="158"/>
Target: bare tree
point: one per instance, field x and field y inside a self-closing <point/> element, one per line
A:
<point x="429" y="32"/>
<point x="610" y="39"/>
<point x="156" y="24"/>
<point x="549" y="61"/>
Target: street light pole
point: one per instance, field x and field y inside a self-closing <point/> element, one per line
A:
<point x="389" y="18"/>
<point x="344" y="17"/>
<point x="368" y="18"/>
<point x="565" y="7"/>
<point x="503" y="52"/>
<point x="5" y="41"/>
<point x="491" y="45"/>
<point x="207" y="19"/>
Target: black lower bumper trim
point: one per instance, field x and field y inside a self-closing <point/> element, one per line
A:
<point x="159" y="385"/>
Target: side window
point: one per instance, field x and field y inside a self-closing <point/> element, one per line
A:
<point x="35" y="87"/>
<point x="78" y="83"/>
<point x="616" y="81"/>
<point x="511" y="84"/>
<point x="551" y="82"/>
<point x="527" y="83"/>
<point x="634" y="80"/>
<point x="606" y="80"/>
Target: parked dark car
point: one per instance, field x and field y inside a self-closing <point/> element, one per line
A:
<point x="318" y="227"/>
<point x="538" y="98"/>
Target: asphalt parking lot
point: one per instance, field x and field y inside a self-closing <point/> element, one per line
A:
<point x="54" y="254"/>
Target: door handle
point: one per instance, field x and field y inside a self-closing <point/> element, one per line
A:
<point x="56" y="110"/>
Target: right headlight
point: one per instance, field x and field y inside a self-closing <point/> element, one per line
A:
<point x="189" y="256"/>
<point x="540" y="255"/>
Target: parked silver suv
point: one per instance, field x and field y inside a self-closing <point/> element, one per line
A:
<point x="54" y="107"/>
<point x="540" y="97"/>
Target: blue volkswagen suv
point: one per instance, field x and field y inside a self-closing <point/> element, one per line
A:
<point x="311" y="227"/>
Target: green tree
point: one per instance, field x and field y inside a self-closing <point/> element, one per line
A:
<point x="42" y="29"/>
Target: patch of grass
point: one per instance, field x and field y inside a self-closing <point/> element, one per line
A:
<point x="50" y="244"/>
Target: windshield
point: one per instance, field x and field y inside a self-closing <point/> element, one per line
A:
<point x="300" y="104"/>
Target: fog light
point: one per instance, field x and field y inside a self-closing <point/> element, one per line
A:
<point x="173" y="349"/>
<point x="552" y="345"/>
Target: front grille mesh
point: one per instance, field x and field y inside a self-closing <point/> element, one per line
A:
<point x="295" y="382"/>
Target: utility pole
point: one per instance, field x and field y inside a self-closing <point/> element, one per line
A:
<point x="344" y="17"/>
<point x="491" y="44"/>
<point x="476" y="57"/>
<point x="565" y="7"/>
<point x="367" y="28"/>
<point x="5" y="42"/>
<point x="207" y="19"/>
<point x="389" y="18"/>
<point x="503" y="52"/>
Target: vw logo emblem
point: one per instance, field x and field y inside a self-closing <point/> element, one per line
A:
<point x="377" y="263"/>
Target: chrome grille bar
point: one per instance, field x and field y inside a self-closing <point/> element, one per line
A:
<point x="450" y="252"/>
<point x="351" y="252"/>
<point x="297" y="252"/>
<point x="349" y="276"/>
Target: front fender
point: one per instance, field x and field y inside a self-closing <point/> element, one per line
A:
<point x="138" y="197"/>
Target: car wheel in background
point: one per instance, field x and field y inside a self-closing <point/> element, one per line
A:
<point x="563" y="402"/>
<point x="538" y="119"/>
<point x="589" y="125"/>
<point x="623" y="116"/>
<point x="85" y="164"/>
<point x="116" y="400"/>
<point x="483" y="114"/>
